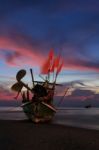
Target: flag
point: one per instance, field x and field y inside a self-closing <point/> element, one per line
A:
<point x="57" y="61"/>
<point x="59" y="68"/>
<point x="52" y="67"/>
<point x="51" y="54"/>
<point x="47" y="65"/>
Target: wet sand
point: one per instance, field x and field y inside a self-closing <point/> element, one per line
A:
<point x="24" y="135"/>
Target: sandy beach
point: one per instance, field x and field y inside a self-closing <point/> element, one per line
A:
<point x="24" y="135"/>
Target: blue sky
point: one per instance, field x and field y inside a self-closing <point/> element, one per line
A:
<point x="29" y="29"/>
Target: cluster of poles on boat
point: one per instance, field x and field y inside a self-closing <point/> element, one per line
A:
<point x="41" y="90"/>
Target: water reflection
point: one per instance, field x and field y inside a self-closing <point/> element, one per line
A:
<point x="78" y="117"/>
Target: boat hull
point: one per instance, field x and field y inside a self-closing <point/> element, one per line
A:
<point x="39" y="112"/>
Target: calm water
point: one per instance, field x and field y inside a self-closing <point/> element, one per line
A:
<point x="78" y="117"/>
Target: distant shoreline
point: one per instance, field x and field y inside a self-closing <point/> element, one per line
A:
<point x="75" y="117"/>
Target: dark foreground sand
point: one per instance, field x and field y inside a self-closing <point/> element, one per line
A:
<point x="24" y="135"/>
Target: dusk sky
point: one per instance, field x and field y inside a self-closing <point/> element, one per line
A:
<point x="30" y="28"/>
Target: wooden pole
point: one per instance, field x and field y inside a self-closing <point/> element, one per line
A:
<point x="32" y="76"/>
<point x="63" y="96"/>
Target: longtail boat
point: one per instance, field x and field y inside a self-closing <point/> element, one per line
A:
<point x="40" y="107"/>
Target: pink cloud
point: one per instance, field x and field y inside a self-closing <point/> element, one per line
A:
<point x="19" y="54"/>
<point x="75" y="63"/>
<point x="6" y="94"/>
<point x="20" y="50"/>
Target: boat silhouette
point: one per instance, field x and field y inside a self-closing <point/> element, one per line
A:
<point x="40" y="107"/>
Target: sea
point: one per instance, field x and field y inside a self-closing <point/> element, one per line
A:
<point x="87" y="118"/>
